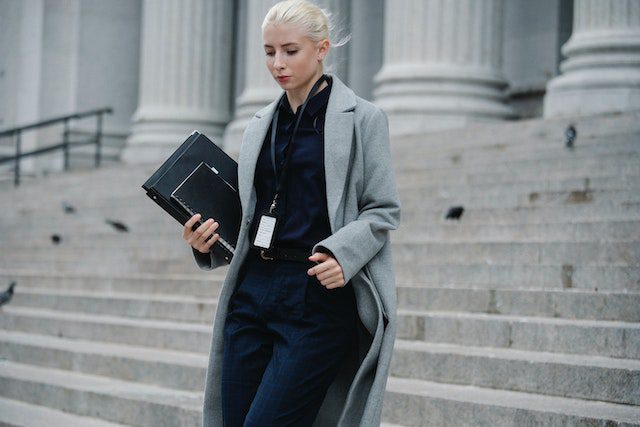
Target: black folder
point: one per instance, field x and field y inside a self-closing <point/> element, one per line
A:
<point x="199" y="177"/>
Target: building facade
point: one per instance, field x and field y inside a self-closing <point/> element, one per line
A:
<point x="170" y="66"/>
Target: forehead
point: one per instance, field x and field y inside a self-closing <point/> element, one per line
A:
<point x="281" y="35"/>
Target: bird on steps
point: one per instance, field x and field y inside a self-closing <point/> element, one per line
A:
<point x="5" y="297"/>
<point x="119" y="226"/>
<point x="455" y="212"/>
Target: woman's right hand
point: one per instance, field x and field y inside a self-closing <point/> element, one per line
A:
<point x="198" y="238"/>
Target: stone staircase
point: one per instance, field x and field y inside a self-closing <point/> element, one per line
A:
<point x="525" y="312"/>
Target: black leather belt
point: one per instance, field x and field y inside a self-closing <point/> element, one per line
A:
<point x="285" y="254"/>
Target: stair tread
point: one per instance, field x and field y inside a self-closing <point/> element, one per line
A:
<point x="514" y="399"/>
<point x="460" y="315"/>
<point x="17" y="413"/>
<point x="519" y="355"/>
<point x="106" y="319"/>
<point x="130" y="296"/>
<point x="151" y="354"/>
<point x="101" y="385"/>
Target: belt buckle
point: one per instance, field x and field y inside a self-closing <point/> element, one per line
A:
<point x="263" y="256"/>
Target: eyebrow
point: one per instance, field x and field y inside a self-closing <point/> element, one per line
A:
<point x="284" y="45"/>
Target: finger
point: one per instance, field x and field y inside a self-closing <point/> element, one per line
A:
<point x="208" y="232"/>
<point x="192" y="220"/>
<point x="194" y="238"/>
<point x="332" y="281"/>
<point x="211" y="241"/>
<point x="334" y="285"/>
<point x="187" y="229"/>
<point x="319" y="256"/>
<point x="333" y="271"/>
<point x="202" y="228"/>
<point x="322" y="267"/>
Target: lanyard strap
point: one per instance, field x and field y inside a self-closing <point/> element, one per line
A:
<point x="287" y="157"/>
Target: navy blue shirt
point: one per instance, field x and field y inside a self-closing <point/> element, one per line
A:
<point x="302" y="206"/>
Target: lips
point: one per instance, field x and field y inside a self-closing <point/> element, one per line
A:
<point x="283" y="78"/>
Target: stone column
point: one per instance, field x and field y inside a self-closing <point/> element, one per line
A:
<point x="184" y="78"/>
<point x="338" y="59"/>
<point x="259" y="87"/>
<point x="602" y="71"/>
<point x="366" y="45"/>
<point x="442" y="64"/>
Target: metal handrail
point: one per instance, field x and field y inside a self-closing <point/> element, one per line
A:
<point x="64" y="146"/>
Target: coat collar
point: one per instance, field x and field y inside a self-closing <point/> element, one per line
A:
<point x="337" y="147"/>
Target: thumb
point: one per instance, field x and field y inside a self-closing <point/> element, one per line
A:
<point x="318" y="256"/>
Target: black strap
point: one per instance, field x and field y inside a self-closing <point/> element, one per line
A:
<point x="287" y="157"/>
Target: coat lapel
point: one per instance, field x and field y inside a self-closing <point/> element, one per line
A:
<point x="338" y="137"/>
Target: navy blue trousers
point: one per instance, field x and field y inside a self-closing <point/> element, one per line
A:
<point x="284" y="338"/>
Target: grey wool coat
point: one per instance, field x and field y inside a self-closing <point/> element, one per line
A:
<point x="363" y="207"/>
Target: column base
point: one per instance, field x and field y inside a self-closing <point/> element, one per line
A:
<point x="153" y="142"/>
<point x="431" y="98"/>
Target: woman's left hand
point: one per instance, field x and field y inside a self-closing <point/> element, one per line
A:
<point x="328" y="271"/>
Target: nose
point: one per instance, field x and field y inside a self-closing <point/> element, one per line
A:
<point x="277" y="61"/>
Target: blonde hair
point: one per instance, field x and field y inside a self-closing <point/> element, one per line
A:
<point x="316" y="22"/>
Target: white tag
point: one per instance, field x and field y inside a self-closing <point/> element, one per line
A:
<point x="265" y="231"/>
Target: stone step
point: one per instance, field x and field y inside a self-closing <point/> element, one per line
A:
<point x="560" y="214"/>
<point x="610" y="161"/>
<point x="426" y="157"/>
<point x="133" y="216"/>
<point x="516" y="201"/>
<point x="604" y="231"/>
<point x="95" y="396"/>
<point x="512" y="253"/>
<point x="423" y="403"/>
<point x="123" y="321"/>
<point x="541" y="140"/>
<point x="607" y="168"/>
<point x="171" y="335"/>
<point x="205" y="283"/>
<point x="567" y="375"/>
<point x="426" y="215"/>
<point x="449" y="231"/>
<point x="626" y="253"/>
<point x="165" y="368"/>
<point x="516" y="185"/>
<point x="133" y="207"/>
<point x="177" y="307"/>
<point x="434" y="228"/>
<point x="565" y="303"/>
<point x="506" y="276"/>
<point x="14" y="413"/>
<point x="534" y="333"/>
<point x="527" y="132"/>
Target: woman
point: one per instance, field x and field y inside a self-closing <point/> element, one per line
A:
<point x="305" y="322"/>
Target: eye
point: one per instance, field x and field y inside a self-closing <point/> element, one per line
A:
<point x="269" y="53"/>
<point x="292" y="52"/>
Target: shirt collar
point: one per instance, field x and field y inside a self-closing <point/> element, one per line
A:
<point x="314" y="105"/>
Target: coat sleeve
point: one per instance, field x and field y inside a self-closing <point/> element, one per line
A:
<point x="378" y="206"/>
<point x="208" y="261"/>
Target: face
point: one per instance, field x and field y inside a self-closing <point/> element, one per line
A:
<point x="293" y="59"/>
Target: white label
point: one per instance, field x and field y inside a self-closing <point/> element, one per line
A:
<point x="265" y="231"/>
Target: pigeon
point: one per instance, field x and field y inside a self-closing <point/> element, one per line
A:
<point x="68" y="208"/>
<point x="117" y="225"/>
<point x="455" y="212"/>
<point x="570" y="134"/>
<point x="56" y="239"/>
<point x="5" y="297"/>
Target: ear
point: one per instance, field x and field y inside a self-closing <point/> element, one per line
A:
<point x="323" y="49"/>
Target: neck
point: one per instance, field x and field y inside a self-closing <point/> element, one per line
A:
<point x="297" y="97"/>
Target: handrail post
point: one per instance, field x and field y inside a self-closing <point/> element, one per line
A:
<point x="16" y="170"/>
<point x="98" y="137"/>
<point x="65" y="141"/>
